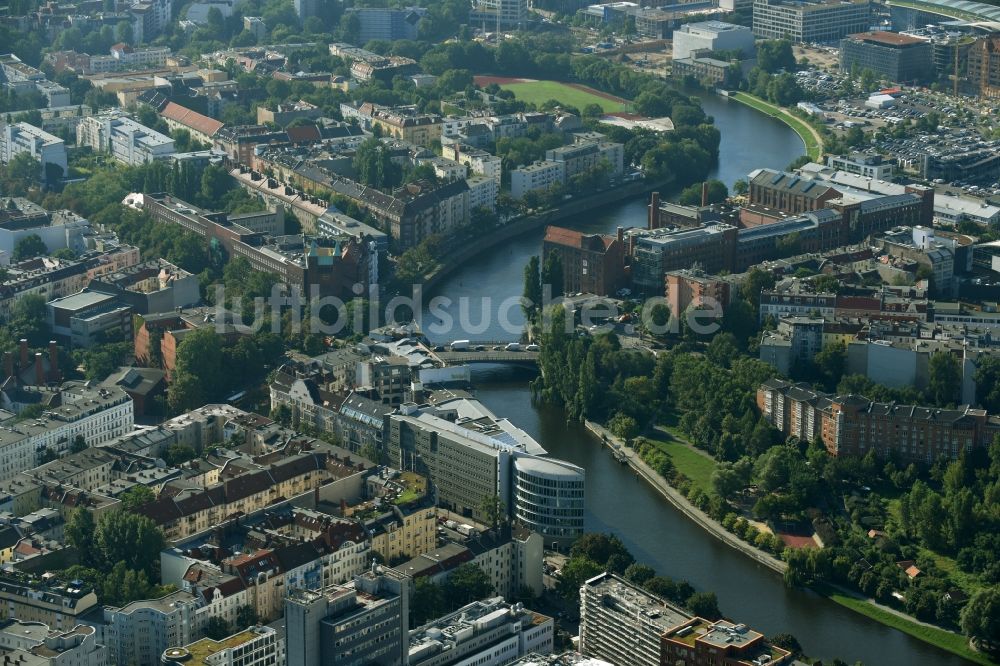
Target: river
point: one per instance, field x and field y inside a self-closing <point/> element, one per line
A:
<point x="617" y="501"/>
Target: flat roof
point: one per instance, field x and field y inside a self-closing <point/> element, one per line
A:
<point x="888" y="38"/>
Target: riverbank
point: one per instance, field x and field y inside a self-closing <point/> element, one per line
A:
<point x="673" y="496"/>
<point x="944" y="639"/>
<point x="457" y="257"/>
<point x="809" y="135"/>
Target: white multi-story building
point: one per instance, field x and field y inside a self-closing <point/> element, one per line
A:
<point x="34" y="644"/>
<point x="498" y="14"/>
<point x="20" y="138"/>
<point x="255" y="646"/>
<point x="124" y="57"/>
<point x="485" y="633"/>
<point x="480" y="162"/>
<point x="867" y="166"/>
<point x="810" y="21"/>
<point x="139" y="633"/>
<point x="538" y="176"/>
<point x="483" y="192"/>
<point x="584" y="155"/>
<point x="98" y="414"/>
<point x="17" y="76"/>
<point x="622" y="623"/>
<point x="125" y="139"/>
<point x="712" y="36"/>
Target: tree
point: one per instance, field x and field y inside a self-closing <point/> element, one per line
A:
<point x="493" y="510"/>
<point x="246" y="616"/>
<point x="532" y="288"/>
<point x="716" y="192"/>
<point x="467" y="583"/>
<point x="374" y="166"/>
<point x="216" y="628"/>
<point x="215" y="182"/>
<point x="136" y="496"/>
<point x="20" y="175"/>
<point x="787" y="642"/>
<point x="623" y="426"/>
<point x="601" y="549"/>
<point x="980" y="618"/>
<point x="79" y="533"/>
<point x="178" y="454"/>
<point x="704" y="604"/>
<point x="126" y="537"/>
<point x="774" y="55"/>
<point x="639" y="573"/>
<point x="944" y="379"/>
<point x="29" y="247"/>
<point x="574" y="573"/>
<point x="552" y="273"/>
<point x="428" y="601"/>
<point x="988" y="383"/>
<point x="79" y="444"/>
<point x="198" y="374"/>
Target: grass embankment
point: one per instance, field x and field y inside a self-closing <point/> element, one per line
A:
<point x="946" y="640"/>
<point x="810" y="137"/>
<point x="691" y="463"/>
<point x="539" y="92"/>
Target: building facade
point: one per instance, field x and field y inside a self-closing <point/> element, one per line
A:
<point x="822" y="21"/>
<point x="126" y="140"/>
<point x="896" y="57"/>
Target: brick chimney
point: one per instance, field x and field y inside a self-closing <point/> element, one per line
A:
<point x="704" y="193"/>
<point x="24" y="353"/>
<point x="53" y="361"/>
<point x="8" y="364"/>
<point x="621" y="234"/>
<point x="39" y="370"/>
<point x="654" y="211"/>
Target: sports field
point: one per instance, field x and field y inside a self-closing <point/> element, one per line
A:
<point x="570" y="94"/>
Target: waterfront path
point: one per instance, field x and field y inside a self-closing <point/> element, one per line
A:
<point x="673" y="496"/>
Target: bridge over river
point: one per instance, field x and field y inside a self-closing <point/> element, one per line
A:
<point x="489" y="355"/>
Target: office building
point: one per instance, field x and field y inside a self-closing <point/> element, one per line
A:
<point x="472" y="456"/>
<point x="656" y="252"/>
<point x="712" y="36"/>
<point x="306" y="8"/>
<point x="491" y="632"/>
<point x="851" y="425"/>
<point x="363" y="623"/>
<point x="126" y="140"/>
<point x="20" y="217"/>
<point x="895" y="57"/>
<point x="592" y="263"/>
<point x="859" y="164"/>
<point x="809" y="21"/>
<point x="700" y="642"/>
<point x="261" y="645"/>
<point x="17" y="77"/>
<point x="687" y="288"/>
<point x="88" y="317"/>
<point x="49" y="150"/>
<point x="388" y="24"/>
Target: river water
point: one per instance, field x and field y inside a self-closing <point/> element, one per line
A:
<point x="617" y="501"/>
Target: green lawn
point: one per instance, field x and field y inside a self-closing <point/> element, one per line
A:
<point x="690" y="463"/>
<point x="813" y="147"/>
<point x="946" y="640"/>
<point x="539" y="92"/>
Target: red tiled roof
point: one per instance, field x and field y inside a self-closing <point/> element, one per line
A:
<point x="192" y="119"/>
<point x="563" y="236"/>
<point x="888" y="38"/>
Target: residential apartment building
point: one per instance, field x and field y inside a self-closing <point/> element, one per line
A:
<point x="851" y="425"/>
<point x="98" y="414"/>
<point x="685" y="288"/>
<point x="483" y="192"/>
<point x="16" y="76"/>
<point x="794" y="344"/>
<point x="984" y="66"/>
<point x="126" y="140"/>
<point x="365" y="622"/>
<point x="34" y="643"/>
<point x="810" y="21"/>
<point x="487" y="633"/>
<point x="416" y="128"/>
<point x="539" y="176"/>
<point x="890" y="55"/>
<point x="584" y="156"/>
<point x="860" y="164"/>
<point x="124" y="57"/>
<point x="60" y="607"/>
<point x="139" y="632"/>
<point x="479" y="162"/>
<point x="49" y="150"/>
<point x="592" y="263"/>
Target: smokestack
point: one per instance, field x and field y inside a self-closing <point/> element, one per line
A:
<point x="24" y="353"/>
<point x="654" y="212"/>
<point x="704" y="193"/>
<point x="621" y="234"/>
<point x="39" y="370"/>
<point x="53" y="361"/>
<point x="8" y="364"/>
